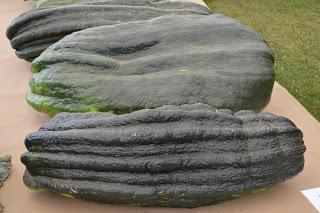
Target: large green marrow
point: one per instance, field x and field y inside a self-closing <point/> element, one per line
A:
<point x="35" y="30"/>
<point x="147" y="64"/>
<point x="185" y="156"/>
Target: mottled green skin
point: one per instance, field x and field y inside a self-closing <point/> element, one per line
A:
<point x="186" y="156"/>
<point x="55" y="3"/>
<point x="5" y="168"/>
<point x="174" y="60"/>
<point x="34" y="31"/>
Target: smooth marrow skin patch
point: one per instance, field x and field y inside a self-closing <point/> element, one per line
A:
<point x="34" y="31"/>
<point x="173" y="60"/>
<point x="172" y="156"/>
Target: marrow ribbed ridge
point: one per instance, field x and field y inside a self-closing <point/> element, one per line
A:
<point x="33" y="31"/>
<point x="195" y="177"/>
<point x="177" y="156"/>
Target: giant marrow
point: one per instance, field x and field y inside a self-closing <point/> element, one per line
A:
<point x="147" y="64"/>
<point x="35" y="30"/>
<point x="172" y="156"/>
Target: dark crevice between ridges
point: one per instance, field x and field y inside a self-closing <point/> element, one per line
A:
<point x="145" y="136"/>
<point x="169" y="147"/>
<point x="165" y="195"/>
<point x="157" y="163"/>
<point x="193" y="176"/>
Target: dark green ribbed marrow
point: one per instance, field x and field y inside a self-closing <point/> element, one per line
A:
<point x="5" y="167"/>
<point x="185" y="156"/>
<point x="35" y="30"/>
<point x="147" y="64"/>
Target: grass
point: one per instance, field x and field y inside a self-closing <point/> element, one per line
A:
<point x="292" y="29"/>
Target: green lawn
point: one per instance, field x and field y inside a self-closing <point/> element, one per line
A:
<point x="292" y="29"/>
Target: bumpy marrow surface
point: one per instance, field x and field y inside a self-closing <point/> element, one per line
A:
<point x="35" y="30"/>
<point x="147" y="64"/>
<point x="185" y="156"/>
<point x="5" y="168"/>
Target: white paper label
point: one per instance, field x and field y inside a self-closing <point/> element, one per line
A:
<point x="313" y="195"/>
